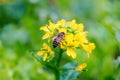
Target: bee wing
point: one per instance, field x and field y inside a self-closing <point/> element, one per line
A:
<point x="58" y="40"/>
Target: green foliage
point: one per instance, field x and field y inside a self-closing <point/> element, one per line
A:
<point x="69" y="73"/>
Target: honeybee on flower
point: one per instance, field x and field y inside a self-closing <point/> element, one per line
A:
<point x="69" y="36"/>
<point x="58" y="39"/>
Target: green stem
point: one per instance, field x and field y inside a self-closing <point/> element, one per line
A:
<point x="57" y="71"/>
<point x="59" y="59"/>
<point x="57" y="74"/>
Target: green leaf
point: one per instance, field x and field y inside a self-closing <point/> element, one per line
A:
<point x="69" y="72"/>
<point x="49" y="65"/>
<point x="38" y="58"/>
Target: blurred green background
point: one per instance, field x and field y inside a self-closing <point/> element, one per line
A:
<point x="20" y="21"/>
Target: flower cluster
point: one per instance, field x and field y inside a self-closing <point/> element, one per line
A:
<point x="45" y="51"/>
<point x="75" y="36"/>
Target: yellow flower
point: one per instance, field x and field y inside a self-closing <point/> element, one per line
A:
<point x="72" y="24"/>
<point x="52" y="26"/>
<point x="80" y="27"/>
<point x="63" y="30"/>
<point x="74" y="27"/>
<point x="75" y="36"/>
<point x="81" y="67"/>
<point x="70" y="45"/>
<point x="71" y="52"/>
<point x="48" y="33"/>
<point x="89" y="48"/>
<point x="81" y="38"/>
<point x="49" y="30"/>
<point x="61" y="23"/>
<point x="45" y="52"/>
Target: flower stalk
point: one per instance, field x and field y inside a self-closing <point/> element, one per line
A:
<point x="59" y="58"/>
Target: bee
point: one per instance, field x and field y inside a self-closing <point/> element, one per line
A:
<point x="60" y="36"/>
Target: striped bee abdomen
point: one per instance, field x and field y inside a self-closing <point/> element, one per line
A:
<point x="58" y="39"/>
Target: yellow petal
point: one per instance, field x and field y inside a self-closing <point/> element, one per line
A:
<point x="44" y="28"/>
<point x="61" y="22"/>
<point x="81" y="67"/>
<point x="62" y="30"/>
<point x="52" y="26"/>
<point x="45" y="46"/>
<point x="77" y="36"/>
<point x="40" y="53"/>
<point x="76" y="43"/>
<point x="68" y="53"/>
<point x="81" y="37"/>
<point x="89" y="48"/>
<point x="51" y="53"/>
<point x="48" y="49"/>
<point x="71" y="52"/>
<point x="72" y="24"/>
<point x="47" y="35"/>
<point x="45" y="57"/>
<point x="80" y="27"/>
<point x="69" y="38"/>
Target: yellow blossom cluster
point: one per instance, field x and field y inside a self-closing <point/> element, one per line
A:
<point x="75" y="37"/>
<point x="45" y="52"/>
